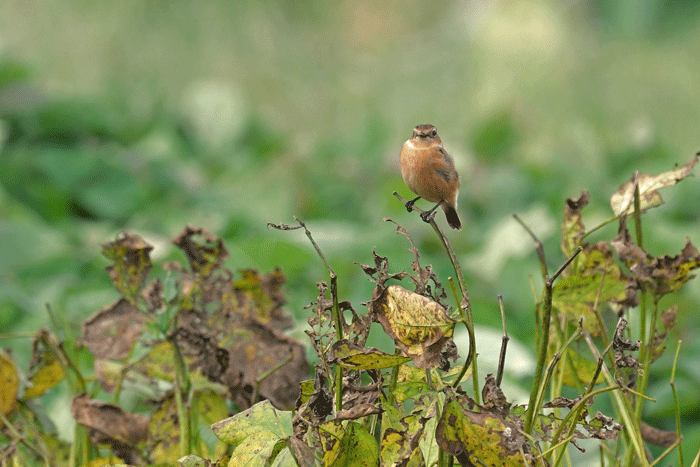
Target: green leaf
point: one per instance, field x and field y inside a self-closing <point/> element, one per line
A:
<point x="358" y="448"/>
<point x="263" y="422"/>
<point x="577" y="296"/>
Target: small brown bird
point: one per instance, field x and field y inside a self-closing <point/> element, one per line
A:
<point x="429" y="171"/>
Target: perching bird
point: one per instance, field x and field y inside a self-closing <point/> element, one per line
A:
<point x="429" y="171"/>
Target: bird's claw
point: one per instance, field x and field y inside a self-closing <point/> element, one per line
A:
<point x="427" y="216"/>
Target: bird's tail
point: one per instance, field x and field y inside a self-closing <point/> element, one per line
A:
<point x="452" y="217"/>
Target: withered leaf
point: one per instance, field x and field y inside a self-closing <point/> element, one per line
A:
<point x="112" y="331"/>
<point x="381" y="269"/>
<point x="110" y="421"/>
<point x="622" y="201"/>
<point x="132" y="264"/>
<point x="572" y="229"/>
<point x="603" y="427"/>
<point x="561" y="402"/>
<point x="660" y="275"/>
<point x="205" y="251"/>
<point x="358" y="411"/>
<point x="480" y="437"/>
<point x="493" y="397"/>
<point x="419" y="326"/>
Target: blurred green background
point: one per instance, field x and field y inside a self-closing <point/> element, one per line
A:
<point x="148" y="116"/>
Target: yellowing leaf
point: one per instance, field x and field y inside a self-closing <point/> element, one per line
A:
<point x="622" y="201"/>
<point x="8" y="384"/>
<point x="48" y="375"/>
<point x="354" y="357"/>
<point x="261" y="417"/>
<point x="482" y="436"/>
<point x="132" y="264"/>
<point x="419" y="326"/>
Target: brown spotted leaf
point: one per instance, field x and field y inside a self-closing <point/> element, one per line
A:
<point x="622" y="201"/>
<point x="419" y="326"/>
<point x="354" y="357"/>
<point x="132" y="264"/>
<point x="480" y="438"/>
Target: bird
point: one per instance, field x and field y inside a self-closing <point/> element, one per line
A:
<point x="429" y="171"/>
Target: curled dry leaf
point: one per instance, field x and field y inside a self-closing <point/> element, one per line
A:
<point x="572" y="229"/>
<point x="661" y="275"/>
<point x="109" y="423"/>
<point x="205" y="252"/>
<point x="622" y="201"/>
<point x="422" y="275"/>
<point x="493" y="397"/>
<point x="358" y="411"/>
<point x="111" y="332"/>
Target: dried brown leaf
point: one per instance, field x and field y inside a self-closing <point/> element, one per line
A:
<point x="622" y="201"/>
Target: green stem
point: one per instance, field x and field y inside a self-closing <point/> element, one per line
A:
<point x="543" y="339"/>
<point x="676" y="406"/>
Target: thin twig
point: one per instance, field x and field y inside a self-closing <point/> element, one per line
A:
<point x="538" y="244"/>
<point x="504" y="344"/>
<point x="465" y="305"/>
<point x="337" y="317"/>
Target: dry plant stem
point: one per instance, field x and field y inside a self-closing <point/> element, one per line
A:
<point x="464" y="306"/>
<point x="676" y="406"/>
<point x="337" y="318"/>
<point x="538" y="244"/>
<point x="504" y="343"/>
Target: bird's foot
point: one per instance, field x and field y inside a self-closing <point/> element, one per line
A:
<point x="409" y="204"/>
<point x="427" y="216"/>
